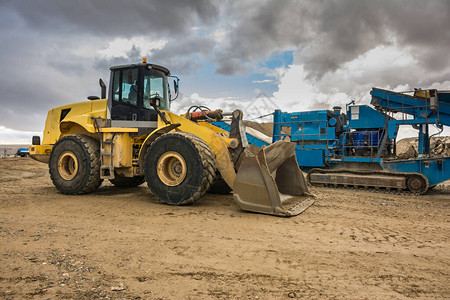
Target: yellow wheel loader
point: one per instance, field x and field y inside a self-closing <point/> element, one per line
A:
<point x="131" y="137"/>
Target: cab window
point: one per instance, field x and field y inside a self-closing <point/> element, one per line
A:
<point x="155" y="84"/>
<point x="116" y="86"/>
<point x="125" y="87"/>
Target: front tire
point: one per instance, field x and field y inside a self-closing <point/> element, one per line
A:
<point x="74" y="165"/>
<point x="179" y="168"/>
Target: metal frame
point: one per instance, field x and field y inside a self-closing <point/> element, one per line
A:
<point x="317" y="145"/>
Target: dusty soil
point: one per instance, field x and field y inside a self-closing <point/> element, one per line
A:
<point x="123" y="244"/>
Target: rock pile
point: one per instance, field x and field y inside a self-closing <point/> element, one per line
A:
<point x="408" y="148"/>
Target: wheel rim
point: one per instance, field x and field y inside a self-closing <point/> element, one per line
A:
<point x="67" y="165"/>
<point x="415" y="184"/>
<point x="171" y="168"/>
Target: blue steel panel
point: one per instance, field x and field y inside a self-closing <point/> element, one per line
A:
<point x="444" y="108"/>
<point x="393" y="125"/>
<point x="309" y="158"/>
<point x="276" y="135"/>
<point x="309" y="125"/>
<point x="408" y="104"/>
<point x="437" y="170"/>
<point x="365" y="117"/>
<point x="394" y="101"/>
<point x="356" y="159"/>
<point x="444" y="96"/>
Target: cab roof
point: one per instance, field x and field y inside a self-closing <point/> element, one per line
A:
<point x="147" y="65"/>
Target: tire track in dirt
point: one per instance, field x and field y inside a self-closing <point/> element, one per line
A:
<point x="121" y="243"/>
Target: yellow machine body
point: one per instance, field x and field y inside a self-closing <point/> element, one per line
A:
<point x="255" y="189"/>
<point x="77" y="120"/>
<point x="269" y="183"/>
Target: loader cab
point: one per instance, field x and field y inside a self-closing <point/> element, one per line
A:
<point x="131" y="87"/>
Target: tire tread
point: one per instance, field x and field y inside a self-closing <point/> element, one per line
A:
<point x="208" y="161"/>
<point x="91" y="147"/>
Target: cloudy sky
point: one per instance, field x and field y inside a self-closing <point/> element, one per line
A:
<point x="254" y="55"/>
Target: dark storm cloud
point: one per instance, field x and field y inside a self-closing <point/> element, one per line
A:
<point x="177" y="54"/>
<point x="330" y="33"/>
<point x="229" y="65"/>
<point x="41" y="43"/>
<point x="109" y="19"/>
<point x="134" y="55"/>
<point x="114" y="17"/>
<point x="49" y="49"/>
<point x="327" y="33"/>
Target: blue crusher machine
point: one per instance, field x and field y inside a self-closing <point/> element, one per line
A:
<point x="358" y="148"/>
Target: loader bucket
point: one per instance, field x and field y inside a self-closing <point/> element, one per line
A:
<point x="272" y="183"/>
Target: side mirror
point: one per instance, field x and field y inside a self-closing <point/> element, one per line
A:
<point x="155" y="101"/>
<point x="175" y="87"/>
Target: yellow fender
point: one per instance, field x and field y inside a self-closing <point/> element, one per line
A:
<point x="217" y="144"/>
<point x="149" y="140"/>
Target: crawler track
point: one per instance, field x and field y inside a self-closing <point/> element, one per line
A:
<point x="380" y="181"/>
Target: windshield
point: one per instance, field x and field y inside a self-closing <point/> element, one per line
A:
<point x="155" y="84"/>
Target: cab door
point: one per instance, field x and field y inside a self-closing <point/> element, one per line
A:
<point x="125" y="104"/>
<point x="154" y="83"/>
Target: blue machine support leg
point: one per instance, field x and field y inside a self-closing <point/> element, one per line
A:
<point x="424" y="140"/>
<point x="421" y="138"/>
<point x="276" y="125"/>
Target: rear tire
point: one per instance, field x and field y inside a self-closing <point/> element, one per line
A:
<point x="179" y="168"/>
<point x="127" y="182"/>
<point x="74" y="165"/>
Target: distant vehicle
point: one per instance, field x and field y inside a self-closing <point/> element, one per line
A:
<point x="23" y="152"/>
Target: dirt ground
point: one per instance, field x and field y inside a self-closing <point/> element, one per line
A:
<point x="122" y="244"/>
